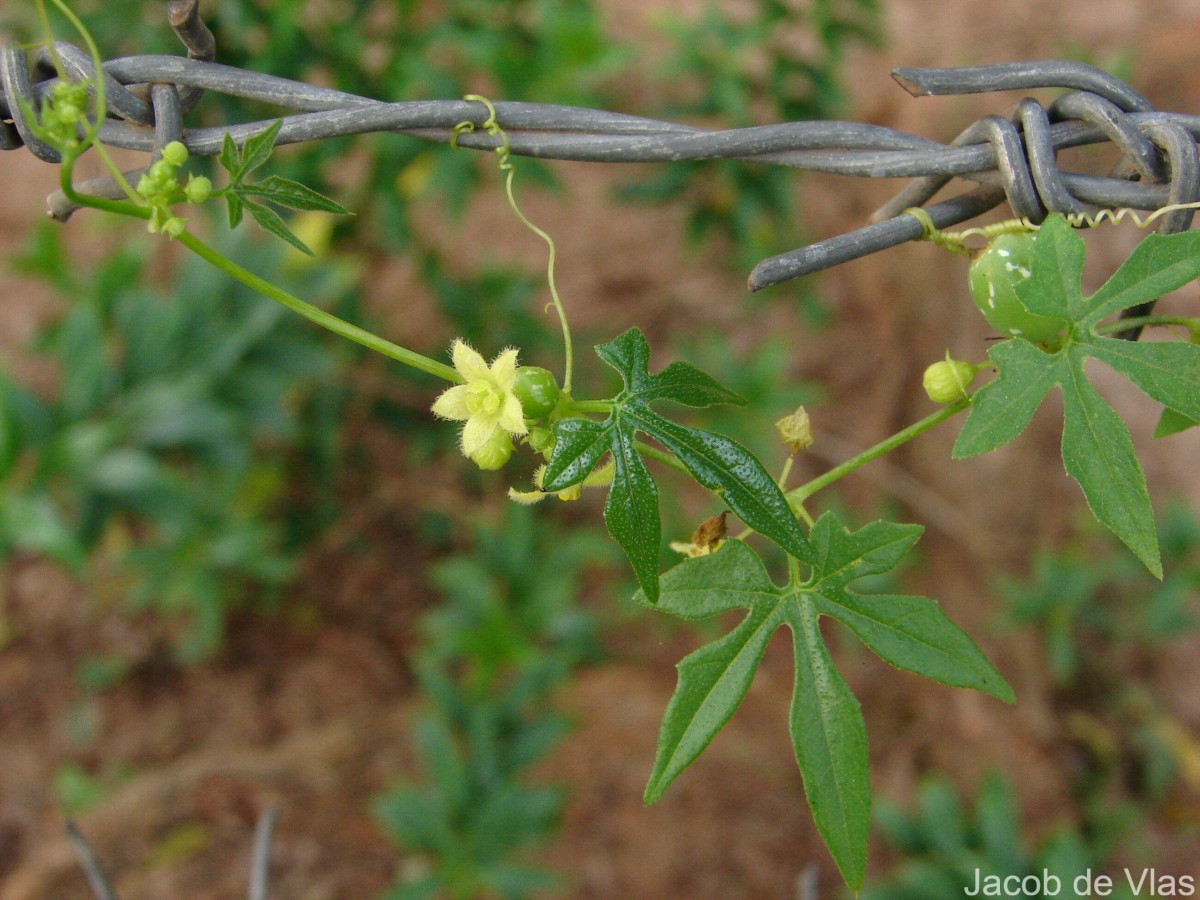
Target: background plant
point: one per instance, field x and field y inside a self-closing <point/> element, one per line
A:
<point x="942" y="846"/>
<point x="628" y="414"/>
<point x="503" y="641"/>
<point x="166" y="464"/>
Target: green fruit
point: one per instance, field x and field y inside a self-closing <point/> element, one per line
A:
<point x="537" y="390"/>
<point x="993" y="279"/>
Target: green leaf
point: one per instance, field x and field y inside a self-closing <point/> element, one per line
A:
<point x="827" y="729"/>
<point x="1097" y="449"/>
<point x="717" y="462"/>
<point x="271" y="222"/>
<point x="230" y="157"/>
<point x="1166" y="371"/>
<point x="1002" y="408"/>
<point x="257" y="150"/>
<point x="1098" y="453"/>
<point x="712" y="683"/>
<point x="235" y="206"/>
<point x="911" y="633"/>
<point x="830" y="740"/>
<point x="1172" y="422"/>
<point x="631" y="510"/>
<point x="1053" y="287"/>
<point x="1158" y="265"/>
<point x="293" y="195"/>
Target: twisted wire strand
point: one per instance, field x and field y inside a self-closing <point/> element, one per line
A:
<point x="1001" y="158"/>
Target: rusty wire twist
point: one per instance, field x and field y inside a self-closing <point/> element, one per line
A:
<point x="1011" y="159"/>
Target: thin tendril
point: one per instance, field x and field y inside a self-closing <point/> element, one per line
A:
<point x="956" y="240"/>
<point x="505" y="164"/>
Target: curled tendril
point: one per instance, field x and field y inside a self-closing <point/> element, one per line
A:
<point x="956" y="240"/>
<point x="504" y="162"/>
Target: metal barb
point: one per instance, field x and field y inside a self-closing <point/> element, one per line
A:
<point x="260" y="863"/>
<point x="91" y="864"/>
<point x="1011" y="159"/>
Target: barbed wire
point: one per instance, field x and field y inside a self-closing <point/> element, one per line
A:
<point x="1001" y="159"/>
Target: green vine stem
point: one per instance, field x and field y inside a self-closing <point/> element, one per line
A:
<point x="319" y="316"/>
<point x="314" y="314"/>
<point x="802" y="493"/>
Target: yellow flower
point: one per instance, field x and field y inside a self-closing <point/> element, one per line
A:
<point x="485" y="401"/>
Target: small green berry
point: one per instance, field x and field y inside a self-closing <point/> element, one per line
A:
<point x="537" y="390"/>
<point x="175" y="154"/>
<point x="993" y="279"/>
<point x="947" y="381"/>
<point x="173" y="227"/>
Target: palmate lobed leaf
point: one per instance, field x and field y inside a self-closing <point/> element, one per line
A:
<point x="826" y="724"/>
<point x="715" y="461"/>
<point x="1097" y="449"/>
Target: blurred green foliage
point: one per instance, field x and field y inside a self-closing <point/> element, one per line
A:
<point x="765" y="62"/>
<point x="941" y="846"/>
<point x="188" y="420"/>
<point x="507" y="634"/>
<point x="1103" y="620"/>
<point x="1091" y="596"/>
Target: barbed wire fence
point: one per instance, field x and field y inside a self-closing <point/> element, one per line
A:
<point x="1001" y="159"/>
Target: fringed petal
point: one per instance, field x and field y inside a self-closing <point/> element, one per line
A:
<point x="452" y="404"/>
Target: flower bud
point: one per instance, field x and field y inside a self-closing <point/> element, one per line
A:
<point x="162" y="173"/>
<point x="495" y="451"/>
<point x="173" y="227"/>
<point x="198" y="189"/>
<point x="796" y="430"/>
<point x="540" y="439"/>
<point x="947" y="381"/>
<point x="175" y="154"/>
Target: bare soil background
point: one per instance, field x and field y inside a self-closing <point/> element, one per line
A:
<point x="315" y="719"/>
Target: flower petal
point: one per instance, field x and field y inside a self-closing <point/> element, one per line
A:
<point x="511" y="419"/>
<point x="452" y="404"/>
<point x="469" y="363"/>
<point x="477" y="432"/>
<point x="526" y="498"/>
<point x="504" y="369"/>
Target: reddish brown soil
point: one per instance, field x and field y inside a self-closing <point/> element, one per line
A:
<point x="314" y="719"/>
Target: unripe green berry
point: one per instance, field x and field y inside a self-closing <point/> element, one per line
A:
<point x="537" y="390"/>
<point x="947" y="381"/>
<point x="993" y="279"/>
<point x="198" y="189"/>
<point x="175" y="154"/>
<point x="495" y="453"/>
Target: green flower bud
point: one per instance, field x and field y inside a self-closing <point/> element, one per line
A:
<point x="198" y="189"/>
<point x="173" y="227"/>
<point x="540" y="439"/>
<point x="537" y="390"/>
<point x="175" y="154"/>
<point x="162" y="172"/>
<point x="495" y="451"/>
<point x="947" y="381"/>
